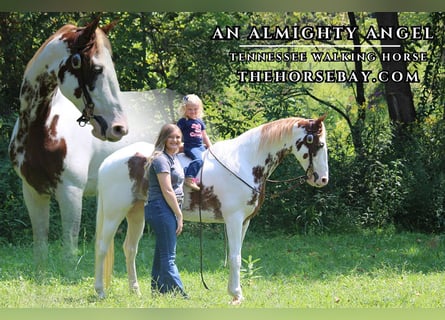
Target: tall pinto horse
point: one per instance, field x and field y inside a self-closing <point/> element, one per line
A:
<point x="70" y="78"/>
<point x="233" y="182"/>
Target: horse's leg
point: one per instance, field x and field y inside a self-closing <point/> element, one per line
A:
<point x="235" y="238"/>
<point x="104" y="248"/>
<point x="70" y="205"/>
<point x="245" y="226"/>
<point x="135" y="228"/>
<point x="38" y="210"/>
<point x="100" y="250"/>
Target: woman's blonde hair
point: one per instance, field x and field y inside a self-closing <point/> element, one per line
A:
<point x="189" y="100"/>
<point x="166" y="131"/>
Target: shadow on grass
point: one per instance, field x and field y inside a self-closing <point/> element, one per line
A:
<point x="322" y="257"/>
<point x="314" y="257"/>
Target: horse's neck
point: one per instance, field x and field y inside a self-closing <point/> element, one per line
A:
<point x="40" y="78"/>
<point x="256" y="155"/>
<point x="272" y="157"/>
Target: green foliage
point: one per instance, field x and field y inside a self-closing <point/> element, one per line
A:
<point x="433" y="92"/>
<point x="250" y="272"/>
<point x="381" y="175"/>
<point x="424" y="208"/>
<point x="14" y="221"/>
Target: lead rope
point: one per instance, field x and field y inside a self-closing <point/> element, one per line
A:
<point x="237" y="176"/>
<point x="200" y="228"/>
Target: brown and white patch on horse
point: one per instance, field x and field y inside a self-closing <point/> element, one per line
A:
<point x="313" y="126"/>
<point x="260" y="174"/>
<point x="258" y="199"/>
<point x="136" y="169"/>
<point x="258" y="194"/>
<point x="37" y="152"/>
<point x="206" y="200"/>
<point x="311" y="140"/>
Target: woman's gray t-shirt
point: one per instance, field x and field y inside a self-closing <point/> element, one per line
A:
<point x="168" y="164"/>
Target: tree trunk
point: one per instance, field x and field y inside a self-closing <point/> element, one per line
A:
<point x="398" y="94"/>
<point x="360" y="98"/>
<point x="357" y="127"/>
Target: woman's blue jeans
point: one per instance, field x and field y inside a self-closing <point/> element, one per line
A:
<point x="196" y="155"/>
<point x="164" y="275"/>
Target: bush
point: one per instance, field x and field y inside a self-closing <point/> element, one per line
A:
<point x="424" y="206"/>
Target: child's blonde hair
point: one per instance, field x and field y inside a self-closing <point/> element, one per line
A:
<point x="188" y="100"/>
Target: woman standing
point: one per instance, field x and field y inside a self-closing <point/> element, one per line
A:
<point x="163" y="208"/>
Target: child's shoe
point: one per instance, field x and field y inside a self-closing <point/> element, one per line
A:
<point x="191" y="182"/>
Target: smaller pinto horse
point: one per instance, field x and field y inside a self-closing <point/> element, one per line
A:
<point x="232" y="179"/>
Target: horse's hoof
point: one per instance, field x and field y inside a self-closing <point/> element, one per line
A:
<point x="100" y="294"/>
<point x="236" y="301"/>
<point x="136" y="291"/>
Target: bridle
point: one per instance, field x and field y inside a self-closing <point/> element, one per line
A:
<point x="88" y="111"/>
<point x="313" y="144"/>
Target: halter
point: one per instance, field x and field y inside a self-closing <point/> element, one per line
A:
<point x="88" y="111"/>
<point x="77" y="48"/>
<point x="313" y="144"/>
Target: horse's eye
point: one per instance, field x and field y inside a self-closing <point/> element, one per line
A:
<point x="76" y="61"/>
<point x="98" y="69"/>
<point x="321" y="145"/>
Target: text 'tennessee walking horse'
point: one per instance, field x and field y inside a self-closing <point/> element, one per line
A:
<point x="233" y="181"/>
<point x="69" y="87"/>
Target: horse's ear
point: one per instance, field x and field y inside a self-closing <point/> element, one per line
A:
<point x="87" y="33"/>
<point x="106" y="29"/>
<point x="321" y="119"/>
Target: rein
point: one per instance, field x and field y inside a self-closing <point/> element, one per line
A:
<point x="200" y="229"/>
<point x="301" y="179"/>
<point x="237" y="176"/>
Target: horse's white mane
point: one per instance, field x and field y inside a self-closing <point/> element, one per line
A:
<point x="276" y="130"/>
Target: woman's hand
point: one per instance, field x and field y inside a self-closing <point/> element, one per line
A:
<point x="180" y="223"/>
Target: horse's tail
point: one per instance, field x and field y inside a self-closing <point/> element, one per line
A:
<point x="109" y="258"/>
<point x="108" y="264"/>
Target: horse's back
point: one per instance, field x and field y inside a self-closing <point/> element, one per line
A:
<point x="120" y="156"/>
<point x="120" y="175"/>
<point x="116" y="162"/>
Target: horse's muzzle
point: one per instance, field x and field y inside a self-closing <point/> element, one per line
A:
<point x="104" y="132"/>
<point x="317" y="181"/>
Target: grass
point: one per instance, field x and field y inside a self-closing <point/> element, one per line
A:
<point x="368" y="270"/>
